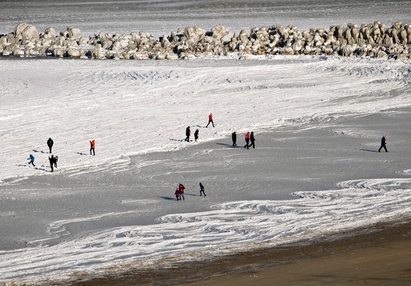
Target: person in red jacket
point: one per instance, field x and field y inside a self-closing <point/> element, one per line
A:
<point x="181" y="189"/>
<point x="247" y="140"/>
<point x="210" y="120"/>
<point x="92" y="146"/>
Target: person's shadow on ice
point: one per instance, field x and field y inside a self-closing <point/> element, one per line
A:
<point x="369" y="150"/>
<point x="227" y="145"/>
<point x="167" y="198"/>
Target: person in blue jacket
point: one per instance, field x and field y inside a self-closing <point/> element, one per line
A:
<point x="32" y="160"/>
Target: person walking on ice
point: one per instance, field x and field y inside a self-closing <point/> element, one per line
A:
<point x="234" y="138"/>
<point x="92" y="146"/>
<point x="50" y="143"/>
<point x="383" y="144"/>
<point x="181" y="189"/>
<point x="31" y="158"/>
<point x="196" y="135"/>
<point x="247" y="140"/>
<point x="202" y="190"/>
<point x="252" y="139"/>
<point x="188" y="133"/>
<point x="53" y="162"/>
<point x="177" y="194"/>
<point x="210" y="119"/>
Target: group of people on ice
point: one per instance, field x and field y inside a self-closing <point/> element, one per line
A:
<point x="197" y="132"/>
<point x="179" y="193"/>
<point x="248" y="137"/>
<point x="54" y="159"/>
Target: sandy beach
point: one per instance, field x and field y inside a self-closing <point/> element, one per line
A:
<point x="379" y="257"/>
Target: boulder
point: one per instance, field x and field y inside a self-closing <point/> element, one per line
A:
<point x="26" y="32"/>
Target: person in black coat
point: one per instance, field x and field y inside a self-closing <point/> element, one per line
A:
<point x="188" y="133"/>
<point x="383" y="144"/>
<point x="202" y="190"/>
<point x="53" y="162"/>
<point x="50" y="144"/>
<point x="196" y="135"/>
<point x="234" y="138"/>
<point x="252" y="139"/>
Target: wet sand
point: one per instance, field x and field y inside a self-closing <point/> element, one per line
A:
<point x="379" y="255"/>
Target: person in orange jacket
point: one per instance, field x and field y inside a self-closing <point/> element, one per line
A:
<point x="247" y="140"/>
<point x="92" y="147"/>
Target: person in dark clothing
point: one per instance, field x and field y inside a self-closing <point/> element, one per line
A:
<point x="252" y="139"/>
<point x="188" y="133"/>
<point x="234" y="138"/>
<point x="50" y="144"/>
<point x="202" y="190"/>
<point x="53" y="162"/>
<point x="196" y="135"/>
<point x="383" y="144"/>
<point x="247" y="140"/>
<point x="177" y="194"/>
<point x="210" y="120"/>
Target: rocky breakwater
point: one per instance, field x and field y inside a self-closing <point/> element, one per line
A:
<point x="367" y="40"/>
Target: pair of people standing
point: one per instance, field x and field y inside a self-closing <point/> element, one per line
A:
<point x="50" y="144"/>
<point x="180" y="192"/>
<point x="249" y="140"/>
<point x="188" y="134"/>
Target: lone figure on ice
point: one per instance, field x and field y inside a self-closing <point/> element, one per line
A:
<point x="202" y="190"/>
<point x="188" y="133"/>
<point x="234" y="138"/>
<point x="32" y="160"/>
<point x="383" y="144"/>
<point x="92" y="146"/>
<point x="196" y="135"/>
<point x="50" y="144"/>
<point x="210" y="120"/>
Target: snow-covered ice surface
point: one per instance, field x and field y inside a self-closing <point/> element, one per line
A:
<point x="315" y="171"/>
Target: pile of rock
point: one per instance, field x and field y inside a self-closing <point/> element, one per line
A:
<point x="367" y="40"/>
